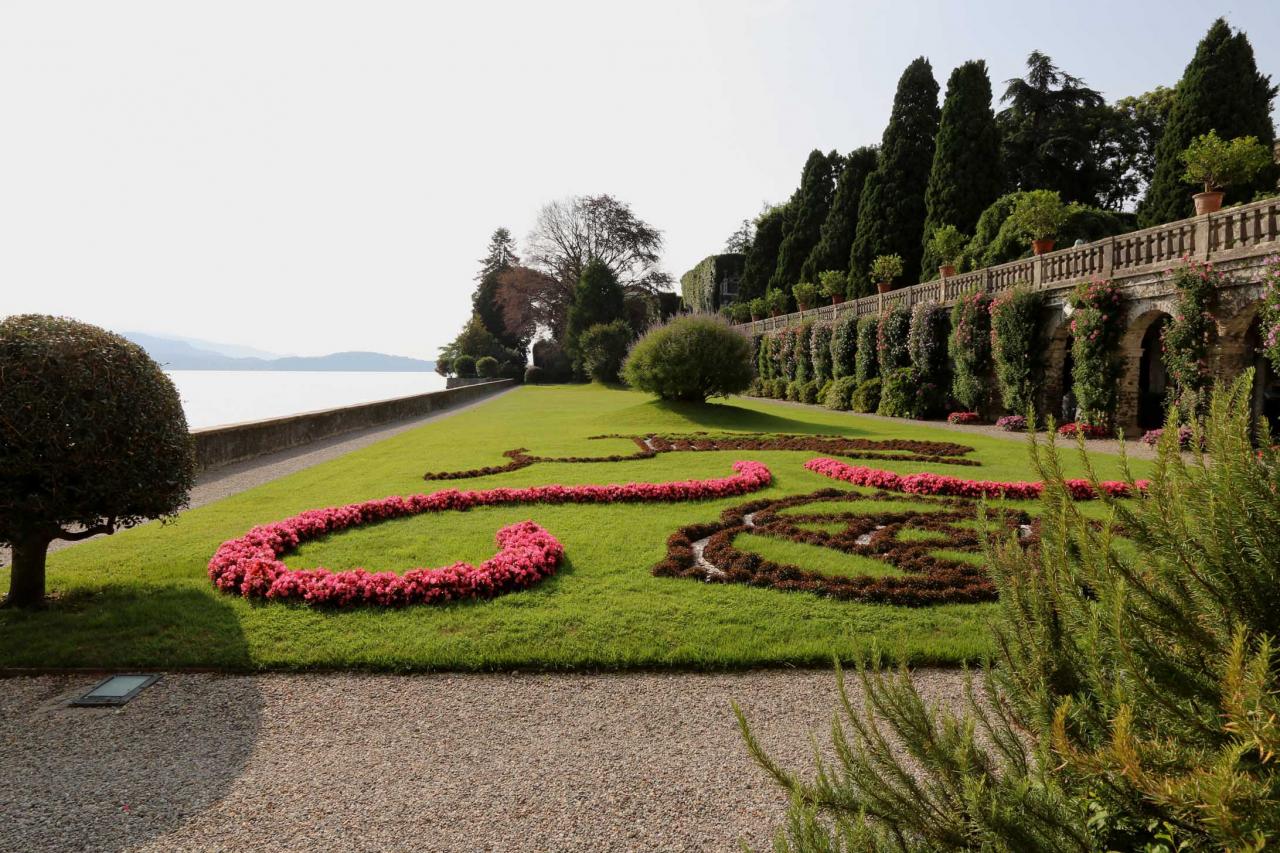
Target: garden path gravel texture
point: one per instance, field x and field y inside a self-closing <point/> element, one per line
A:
<point x="449" y="762"/>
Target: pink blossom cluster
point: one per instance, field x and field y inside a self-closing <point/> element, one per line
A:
<point x="1186" y="435"/>
<point x="963" y="418"/>
<point x="527" y="553"/>
<point x="942" y="484"/>
<point x="1070" y="430"/>
<point x="1012" y="423"/>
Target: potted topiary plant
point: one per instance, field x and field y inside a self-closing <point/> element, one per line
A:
<point x="947" y="244"/>
<point x="884" y="269"/>
<point x="1038" y="216"/>
<point x="777" y="302"/>
<point x="741" y="312"/>
<point x="1216" y="163"/>
<point x="806" y="295"/>
<point x="758" y="308"/>
<point x="833" y="283"/>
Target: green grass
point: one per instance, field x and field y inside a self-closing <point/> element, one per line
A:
<point x="826" y="560"/>
<point x="141" y="598"/>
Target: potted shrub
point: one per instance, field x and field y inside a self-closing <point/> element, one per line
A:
<point x="758" y="308"/>
<point x="833" y="283"/>
<point x="741" y="312"/>
<point x="947" y="244"/>
<point x="1038" y="216"/>
<point x="806" y="295"/>
<point x="776" y="300"/>
<point x="884" y="270"/>
<point x="1216" y="163"/>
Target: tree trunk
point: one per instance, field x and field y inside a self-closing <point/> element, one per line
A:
<point x="26" y="576"/>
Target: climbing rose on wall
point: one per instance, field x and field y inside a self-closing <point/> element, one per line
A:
<point x="1097" y="323"/>
<point x="1186" y="338"/>
<point x="1271" y="311"/>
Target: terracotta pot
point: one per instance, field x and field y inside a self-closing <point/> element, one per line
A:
<point x="1043" y="246"/>
<point x="1207" y="203"/>
<point x="884" y="286"/>
<point x="946" y="270"/>
<point x="837" y="299"/>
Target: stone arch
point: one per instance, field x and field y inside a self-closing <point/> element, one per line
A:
<point x="1057" y="400"/>
<point x="1240" y="342"/>
<point x="1143" y="379"/>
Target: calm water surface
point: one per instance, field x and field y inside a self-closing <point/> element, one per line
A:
<point x="216" y="397"/>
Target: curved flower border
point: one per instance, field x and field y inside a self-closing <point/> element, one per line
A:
<point x="940" y="484"/>
<point x="251" y="564"/>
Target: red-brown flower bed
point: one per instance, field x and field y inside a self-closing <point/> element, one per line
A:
<point x="942" y="484"/>
<point x="251" y="565"/>
<point x="891" y="450"/>
<point x="929" y="579"/>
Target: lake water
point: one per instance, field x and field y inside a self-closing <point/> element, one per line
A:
<point x="217" y="397"/>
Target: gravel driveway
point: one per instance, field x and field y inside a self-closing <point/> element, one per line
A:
<point x="502" y="762"/>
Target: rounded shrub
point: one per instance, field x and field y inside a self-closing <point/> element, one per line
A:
<point x="602" y="349"/>
<point x="465" y="366"/>
<point x="487" y="367"/>
<point x="92" y="439"/>
<point x="534" y="375"/>
<point x="793" y="390"/>
<point x="866" y="397"/>
<point x="690" y="358"/>
<point x="898" y="398"/>
<point x="778" y="389"/>
<point x="553" y="360"/>
<point x="839" y="392"/>
<point x="809" y="391"/>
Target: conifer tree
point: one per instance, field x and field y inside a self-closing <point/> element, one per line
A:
<point x="836" y="238"/>
<point x="762" y="258"/>
<point x="891" y="211"/>
<point x="597" y="299"/>
<point x="1221" y="89"/>
<point x="500" y="258"/>
<point x="810" y="206"/>
<point x="966" y="175"/>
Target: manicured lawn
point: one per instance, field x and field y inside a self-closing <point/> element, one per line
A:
<point x="141" y="598"/>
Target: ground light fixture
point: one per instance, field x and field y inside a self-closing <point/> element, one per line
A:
<point x="115" y="690"/>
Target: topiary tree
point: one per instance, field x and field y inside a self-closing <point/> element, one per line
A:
<point x="603" y="347"/>
<point x="891" y="339"/>
<point x="1220" y="90"/>
<point x="809" y="208"/>
<point x="690" y="358"/>
<point x="487" y="367"/>
<point x="598" y="298"/>
<point x="1017" y="348"/>
<point x="966" y="176"/>
<point x="867" y="361"/>
<point x="832" y="251"/>
<point x="465" y="367"/>
<point x="844" y="346"/>
<point x="92" y="439"/>
<point x="892" y="210"/>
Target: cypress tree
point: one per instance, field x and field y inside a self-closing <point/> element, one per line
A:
<point x="762" y="258"/>
<point x="1221" y="89"/>
<point x="810" y="206"/>
<point x="966" y="175"/>
<point x="891" y="211"/>
<point x="500" y="257"/>
<point x="597" y="298"/>
<point x="836" y="238"/>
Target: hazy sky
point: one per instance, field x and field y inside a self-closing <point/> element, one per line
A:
<point x="310" y="177"/>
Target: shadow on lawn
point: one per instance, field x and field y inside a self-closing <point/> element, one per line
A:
<point x="140" y="771"/>
<point x="730" y="416"/>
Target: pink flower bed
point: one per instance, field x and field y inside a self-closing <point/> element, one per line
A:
<point x="963" y="418"/>
<point x="941" y="484"/>
<point x="251" y="565"/>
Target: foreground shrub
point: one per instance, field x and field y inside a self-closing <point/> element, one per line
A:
<point x="487" y="367"/>
<point x="465" y="367"/>
<point x="839" y="394"/>
<point x="92" y="439"/>
<point x="866" y="397"/>
<point x="690" y="358"/>
<point x="970" y="349"/>
<point x="1012" y="423"/>
<point x="1134" y="700"/>
<point x="1017" y="349"/>
<point x="898" y="396"/>
<point x="964" y="418"/>
<point x="602" y="348"/>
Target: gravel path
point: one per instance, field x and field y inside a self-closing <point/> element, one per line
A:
<point x="505" y="762"/>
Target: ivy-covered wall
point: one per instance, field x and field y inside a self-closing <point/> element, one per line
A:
<point x="702" y="287"/>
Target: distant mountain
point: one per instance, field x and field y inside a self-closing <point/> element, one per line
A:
<point x="176" y="354"/>
<point x="233" y="350"/>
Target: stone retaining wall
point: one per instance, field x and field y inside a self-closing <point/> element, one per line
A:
<point x="217" y="446"/>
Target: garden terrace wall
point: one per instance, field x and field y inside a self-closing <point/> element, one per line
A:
<point x="1237" y="240"/>
<point x="223" y="445"/>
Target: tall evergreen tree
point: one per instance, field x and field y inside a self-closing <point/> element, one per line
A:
<point x="891" y="211"/>
<point x="500" y="257"/>
<point x="1221" y="89"/>
<point x="1051" y="133"/>
<point x="966" y="176"/>
<point x="762" y="257"/>
<point x="832" y="251"/>
<point x="598" y="298"/>
<point x="810" y="206"/>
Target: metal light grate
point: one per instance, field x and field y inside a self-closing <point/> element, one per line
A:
<point x="116" y="690"/>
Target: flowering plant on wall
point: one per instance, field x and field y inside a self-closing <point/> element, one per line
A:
<point x="1271" y="311"/>
<point x="891" y="339"/>
<point x="927" y="348"/>
<point x="1186" y="339"/>
<point x="970" y="350"/>
<point x="1096" y="326"/>
<point x="1016" y="348"/>
<point x="251" y="565"/>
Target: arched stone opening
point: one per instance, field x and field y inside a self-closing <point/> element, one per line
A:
<point x="1143" y="377"/>
<point x="1057" y="400"/>
<point x="1153" y="377"/>
<point x="1266" y="382"/>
